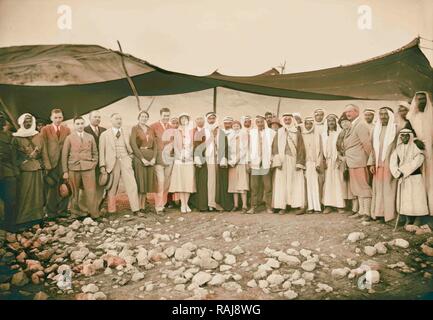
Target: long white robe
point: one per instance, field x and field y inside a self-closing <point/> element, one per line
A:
<point x="312" y="142"/>
<point x="333" y="188"/>
<point x="411" y="192"/>
<point x="422" y="124"/>
<point x="288" y="183"/>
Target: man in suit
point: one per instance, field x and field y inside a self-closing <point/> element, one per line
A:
<point x="54" y="136"/>
<point x="79" y="159"/>
<point x="162" y="168"/>
<point x="95" y="130"/>
<point x="357" y="144"/>
<point x="115" y="157"/>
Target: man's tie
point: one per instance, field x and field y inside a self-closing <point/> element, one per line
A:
<point x="58" y="131"/>
<point x="118" y="134"/>
<point x="97" y="131"/>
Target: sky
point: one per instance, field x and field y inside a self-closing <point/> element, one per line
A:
<point x="242" y="37"/>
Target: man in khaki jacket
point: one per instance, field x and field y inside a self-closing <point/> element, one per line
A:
<point x="115" y="157"/>
<point x="358" y="147"/>
<point x="79" y="159"/>
<point x="54" y="136"/>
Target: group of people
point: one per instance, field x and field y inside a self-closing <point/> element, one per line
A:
<point x="374" y="165"/>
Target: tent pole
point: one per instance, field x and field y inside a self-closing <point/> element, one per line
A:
<point x="131" y="83"/>
<point x="214" y="99"/>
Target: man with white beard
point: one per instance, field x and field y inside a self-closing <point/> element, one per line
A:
<point x="421" y="118"/>
<point x="313" y="164"/>
<point x="289" y="162"/>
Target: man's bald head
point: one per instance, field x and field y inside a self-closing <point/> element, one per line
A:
<point x="351" y="111"/>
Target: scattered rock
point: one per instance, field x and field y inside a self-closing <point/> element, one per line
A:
<point x="401" y="243"/>
<point x="40" y="296"/>
<point x="237" y="250"/>
<point x="230" y="259"/>
<point x="182" y="254"/>
<point x="19" y="279"/>
<point x="201" y="278"/>
<point x="90" y="288"/>
<point x="275" y="279"/>
<point x="370" y="251"/>
<point x="290" y="294"/>
<point x="252" y="283"/>
<point x="381" y="248"/>
<point x="308" y="265"/>
<point x="355" y="236"/>
<point x="217" y="280"/>
<point x="99" y="296"/>
<point x="137" y="276"/>
<point x="340" y="273"/>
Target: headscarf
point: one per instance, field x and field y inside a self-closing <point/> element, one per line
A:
<point x="304" y="130"/>
<point x="390" y="132"/>
<point x="23" y="132"/>
<point x="422" y="123"/>
<point x="398" y="119"/>
<point x="330" y="151"/>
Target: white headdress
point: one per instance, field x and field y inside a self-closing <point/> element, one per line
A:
<point x="23" y="132"/>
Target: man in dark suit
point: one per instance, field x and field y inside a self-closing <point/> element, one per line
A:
<point x="95" y="130"/>
<point x="54" y="136"/>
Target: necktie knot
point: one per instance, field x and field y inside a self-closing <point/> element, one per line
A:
<point x="118" y="134"/>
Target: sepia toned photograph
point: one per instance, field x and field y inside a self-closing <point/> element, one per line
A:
<point x="228" y="151"/>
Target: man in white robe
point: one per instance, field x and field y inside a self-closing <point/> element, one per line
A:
<point x="289" y="163"/>
<point x="369" y="118"/>
<point x="384" y="137"/>
<point x="211" y="155"/>
<point x="333" y="188"/>
<point x="421" y="118"/>
<point x="405" y="164"/>
<point x="260" y="160"/>
<point x="313" y="165"/>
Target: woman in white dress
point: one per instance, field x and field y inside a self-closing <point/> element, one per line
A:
<point x="182" y="177"/>
<point x="237" y="161"/>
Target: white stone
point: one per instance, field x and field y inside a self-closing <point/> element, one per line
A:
<point x="90" y="288"/>
<point x="355" y="236"/>
<point x="137" y="276"/>
<point x="370" y="251"/>
<point x="273" y="263"/>
<point x="381" y="248"/>
<point x="252" y="283"/>
<point x="182" y="254"/>
<point x="308" y="265"/>
<point x="217" y="280"/>
<point x="230" y="259"/>
<point x="201" y="278"/>
<point x="295" y="244"/>
<point x="217" y="255"/>
<point x="340" y="273"/>
<point x="232" y="286"/>
<point x="237" y="250"/>
<point x="275" y="279"/>
<point x="400" y="243"/>
<point x="290" y="294"/>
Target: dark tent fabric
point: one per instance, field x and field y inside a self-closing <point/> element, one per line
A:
<point x="80" y="78"/>
<point x="393" y="76"/>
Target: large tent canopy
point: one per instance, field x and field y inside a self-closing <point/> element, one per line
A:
<point x="81" y="78"/>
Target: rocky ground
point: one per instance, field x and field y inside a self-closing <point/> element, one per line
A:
<point x="218" y="256"/>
